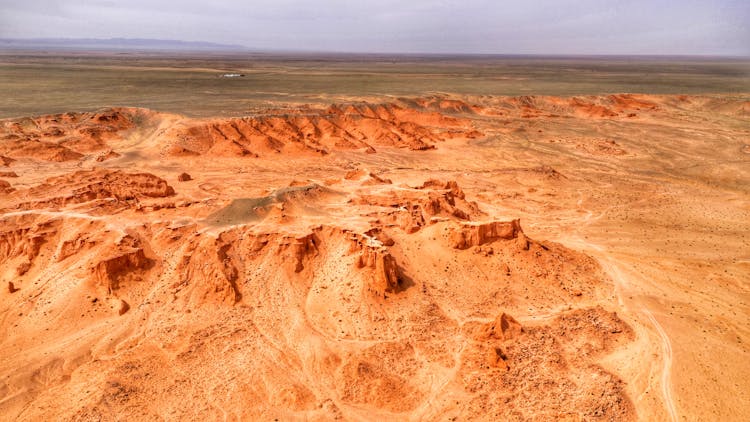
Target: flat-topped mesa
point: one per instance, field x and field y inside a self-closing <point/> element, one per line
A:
<point x="444" y="104"/>
<point x="67" y="136"/>
<point x="592" y="106"/>
<point x="395" y="112"/>
<point x="125" y="186"/>
<point x="468" y="234"/>
<point x="84" y="186"/>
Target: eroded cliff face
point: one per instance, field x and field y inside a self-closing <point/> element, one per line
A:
<point x="64" y="137"/>
<point x="341" y="316"/>
<point x="165" y="291"/>
<point x="356" y="126"/>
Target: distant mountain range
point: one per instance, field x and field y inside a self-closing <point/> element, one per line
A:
<point x="123" y="44"/>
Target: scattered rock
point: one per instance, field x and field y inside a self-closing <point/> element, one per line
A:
<point x="123" y="308"/>
<point x="5" y="187"/>
<point x="23" y="268"/>
<point x="522" y="241"/>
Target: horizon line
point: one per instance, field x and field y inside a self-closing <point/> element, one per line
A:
<point x="222" y="48"/>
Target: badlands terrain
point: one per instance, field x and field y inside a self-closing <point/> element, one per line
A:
<point x="433" y="257"/>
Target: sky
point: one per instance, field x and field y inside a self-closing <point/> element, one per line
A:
<point x="718" y="27"/>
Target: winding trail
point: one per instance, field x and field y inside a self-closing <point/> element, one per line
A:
<point x="667" y="371"/>
<point x="611" y="267"/>
<point x="666" y="345"/>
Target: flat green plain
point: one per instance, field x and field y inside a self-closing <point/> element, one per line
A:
<point x="33" y="83"/>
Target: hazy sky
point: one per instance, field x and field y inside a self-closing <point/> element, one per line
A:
<point x="438" y="26"/>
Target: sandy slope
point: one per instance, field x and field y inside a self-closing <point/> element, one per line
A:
<point x="365" y="261"/>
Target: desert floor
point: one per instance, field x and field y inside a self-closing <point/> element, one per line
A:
<point x="460" y="257"/>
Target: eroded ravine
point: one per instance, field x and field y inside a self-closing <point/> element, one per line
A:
<point x="329" y="265"/>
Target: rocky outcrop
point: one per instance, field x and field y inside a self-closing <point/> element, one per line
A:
<point x="212" y="268"/>
<point x="21" y="239"/>
<point x="367" y="178"/>
<point x="450" y="185"/>
<point x="413" y="209"/>
<point x="78" y="243"/>
<point x="380" y="235"/>
<point x="6" y="187"/>
<point x="469" y="234"/>
<point x="109" y="155"/>
<point x="385" y="271"/>
<point x="504" y="327"/>
<point x="125" y="265"/>
<point x="302" y="248"/>
<point x="494" y="335"/>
